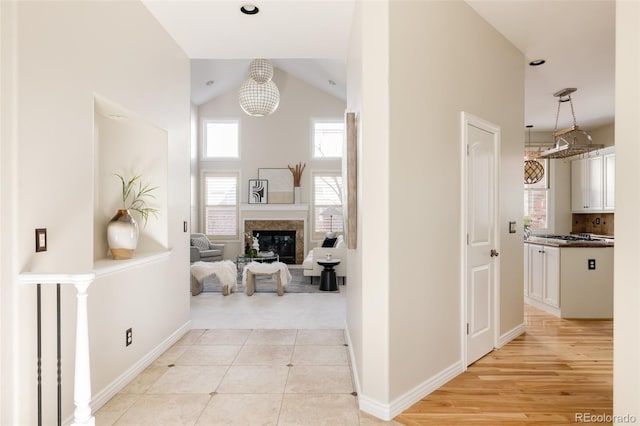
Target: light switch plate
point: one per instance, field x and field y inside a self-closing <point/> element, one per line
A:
<point x="512" y="227"/>
<point x="41" y="239"/>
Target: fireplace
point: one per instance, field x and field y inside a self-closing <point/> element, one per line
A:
<point x="274" y="235"/>
<point x="283" y="243"/>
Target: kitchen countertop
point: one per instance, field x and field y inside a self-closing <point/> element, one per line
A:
<point x="552" y="242"/>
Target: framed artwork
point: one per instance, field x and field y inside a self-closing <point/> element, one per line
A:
<point x="258" y="191"/>
<point x="350" y="184"/>
<point x="280" y="185"/>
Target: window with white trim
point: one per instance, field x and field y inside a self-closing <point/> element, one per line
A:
<point x="221" y="139"/>
<point x="221" y="205"/>
<point x="536" y="200"/>
<point x="328" y="138"/>
<point x="327" y="203"/>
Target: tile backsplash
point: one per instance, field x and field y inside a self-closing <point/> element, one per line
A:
<point x="593" y="223"/>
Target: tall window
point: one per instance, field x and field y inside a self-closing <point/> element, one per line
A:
<point x="536" y="200"/>
<point x="327" y="203"/>
<point x="328" y="138"/>
<point x="221" y="139"/>
<point x="221" y="205"/>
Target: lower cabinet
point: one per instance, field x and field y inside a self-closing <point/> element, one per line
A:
<point x="543" y="276"/>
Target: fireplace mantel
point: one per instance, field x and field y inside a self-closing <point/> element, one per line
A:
<point x="274" y="207"/>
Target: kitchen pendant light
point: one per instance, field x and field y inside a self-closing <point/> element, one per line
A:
<point x="573" y="140"/>
<point x="533" y="169"/>
<point x="258" y="95"/>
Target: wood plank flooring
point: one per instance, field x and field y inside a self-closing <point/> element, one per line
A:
<point x="558" y="369"/>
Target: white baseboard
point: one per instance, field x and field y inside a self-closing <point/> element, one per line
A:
<point x="510" y="335"/>
<point x="389" y="411"/>
<point x="542" y="306"/>
<point x="414" y="395"/>
<point x="123" y="380"/>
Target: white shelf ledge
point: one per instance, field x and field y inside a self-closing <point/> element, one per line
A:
<point x="108" y="266"/>
<point x="274" y="207"/>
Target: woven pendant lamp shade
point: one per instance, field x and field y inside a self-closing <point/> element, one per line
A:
<point x="260" y="70"/>
<point x="258" y="95"/>
<point x="533" y="171"/>
<point x="258" y="99"/>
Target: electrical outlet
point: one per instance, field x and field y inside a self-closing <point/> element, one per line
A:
<point x="129" y="336"/>
<point x="592" y="264"/>
<point x="597" y="221"/>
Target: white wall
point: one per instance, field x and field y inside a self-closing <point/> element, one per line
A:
<point x="480" y="72"/>
<point x="275" y="141"/>
<point x="626" y="333"/>
<point x="67" y="52"/>
<point x="404" y="303"/>
<point x="368" y="273"/>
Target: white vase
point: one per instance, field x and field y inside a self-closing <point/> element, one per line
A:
<point x="296" y="195"/>
<point x="122" y="235"/>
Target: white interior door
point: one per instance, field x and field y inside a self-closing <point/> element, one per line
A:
<point x="482" y="140"/>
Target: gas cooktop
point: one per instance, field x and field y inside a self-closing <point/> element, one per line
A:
<point x="578" y="237"/>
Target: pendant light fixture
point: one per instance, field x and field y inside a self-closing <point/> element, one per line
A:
<point x="258" y="95"/>
<point x="533" y="169"/>
<point x="573" y="140"/>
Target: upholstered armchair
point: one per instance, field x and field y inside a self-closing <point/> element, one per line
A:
<point x="203" y="250"/>
<point x="337" y="251"/>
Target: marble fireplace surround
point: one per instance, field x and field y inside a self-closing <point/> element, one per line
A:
<point x="251" y="225"/>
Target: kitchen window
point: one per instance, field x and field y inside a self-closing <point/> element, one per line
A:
<point x="536" y="201"/>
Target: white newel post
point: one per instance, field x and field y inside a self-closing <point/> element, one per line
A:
<point x="82" y="383"/>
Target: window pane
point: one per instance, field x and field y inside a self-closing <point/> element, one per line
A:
<point x="221" y="221"/>
<point x="221" y="190"/>
<point x="328" y="138"/>
<point x="327" y="204"/>
<point x="221" y="139"/>
<point x="221" y="207"/>
<point x="535" y="207"/>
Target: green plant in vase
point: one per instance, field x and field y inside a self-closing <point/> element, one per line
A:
<point x="122" y="231"/>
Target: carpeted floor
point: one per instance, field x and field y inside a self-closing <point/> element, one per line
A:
<point x="298" y="284"/>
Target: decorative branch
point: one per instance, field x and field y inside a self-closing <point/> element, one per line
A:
<point x="297" y="173"/>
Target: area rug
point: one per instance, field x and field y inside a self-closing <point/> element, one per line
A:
<point x="266" y="284"/>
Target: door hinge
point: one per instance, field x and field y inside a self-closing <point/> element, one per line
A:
<point x="467" y="149"/>
<point x="467" y="329"/>
<point x="467" y="239"/>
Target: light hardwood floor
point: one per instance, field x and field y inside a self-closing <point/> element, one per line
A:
<point x="557" y="372"/>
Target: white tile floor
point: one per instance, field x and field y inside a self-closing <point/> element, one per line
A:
<point x="244" y="364"/>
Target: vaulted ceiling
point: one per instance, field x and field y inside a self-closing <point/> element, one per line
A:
<point x="309" y="39"/>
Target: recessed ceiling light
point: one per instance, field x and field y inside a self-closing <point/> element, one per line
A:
<point x="249" y="9"/>
<point x="537" y="62"/>
<point x="332" y="83"/>
<point x="210" y="82"/>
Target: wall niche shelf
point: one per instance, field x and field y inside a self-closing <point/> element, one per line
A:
<point x="127" y="144"/>
<point x="108" y="266"/>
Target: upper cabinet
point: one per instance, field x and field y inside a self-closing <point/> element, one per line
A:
<point x="592" y="183"/>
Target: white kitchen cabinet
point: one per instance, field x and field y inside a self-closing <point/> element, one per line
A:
<point x="592" y="183"/>
<point x="526" y="269"/>
<point x="609" y="175"/>
<point x="543" y="277"/>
